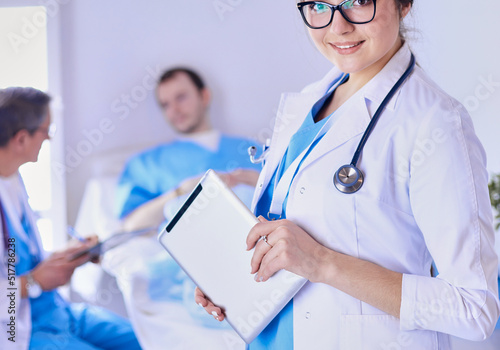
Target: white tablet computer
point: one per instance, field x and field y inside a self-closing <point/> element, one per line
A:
<point x="207" y="238"/>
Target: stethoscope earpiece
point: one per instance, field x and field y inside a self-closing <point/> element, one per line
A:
<point x="348" y="179"/>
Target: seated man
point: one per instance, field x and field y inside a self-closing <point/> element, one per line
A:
<point x="34" y="315"/>
<point x="170" y="170"/>
<point x="158" y="295"/>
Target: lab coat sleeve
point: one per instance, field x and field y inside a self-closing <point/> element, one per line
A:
<point x="450" y="201"/>
<point x="15" y="322"/>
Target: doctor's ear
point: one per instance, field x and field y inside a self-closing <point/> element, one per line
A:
<point x="18" y="141"/>
<point x="404" y="7"/>
<point x="206" y="96"/>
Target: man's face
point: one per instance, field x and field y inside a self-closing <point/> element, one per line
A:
<point x="37" y="138"/>
<point x="183" y="105"/>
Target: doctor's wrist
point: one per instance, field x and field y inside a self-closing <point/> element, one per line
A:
<point x="326" y="266"/>
<point x="30" y="287"/>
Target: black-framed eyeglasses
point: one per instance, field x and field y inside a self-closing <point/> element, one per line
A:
<point x="319" y="14"/>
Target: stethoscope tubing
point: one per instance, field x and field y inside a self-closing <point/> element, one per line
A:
<point x="348" y="179"/>
<point x="379" y="111"/>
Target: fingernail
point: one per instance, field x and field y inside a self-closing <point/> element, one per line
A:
<point x="214" y="313"/>
<point x="258" y="279"/>
<point x="200" y="304"/>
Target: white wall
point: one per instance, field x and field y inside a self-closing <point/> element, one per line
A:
<point x="458" y="45"/>
<point x="248" y="56"/>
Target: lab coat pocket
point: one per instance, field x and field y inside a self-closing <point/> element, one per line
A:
<point x="380" y="332"/>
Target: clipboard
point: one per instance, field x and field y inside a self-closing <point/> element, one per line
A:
<point x="112" y="242"/>
<point x="207" y="239"/>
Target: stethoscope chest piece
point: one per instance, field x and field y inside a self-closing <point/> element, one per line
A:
<point x="348" y="179"/>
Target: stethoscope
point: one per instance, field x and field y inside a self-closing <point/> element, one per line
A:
<point x="349" y="178"/>
<point x="252" y="152"/>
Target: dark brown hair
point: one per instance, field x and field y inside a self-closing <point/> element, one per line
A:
<point x="195" y="77"/>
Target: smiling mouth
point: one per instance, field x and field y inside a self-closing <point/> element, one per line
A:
<point x="343" y="47"/>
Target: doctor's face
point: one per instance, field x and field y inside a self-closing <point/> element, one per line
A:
<point x="361" y="48"/>
<point x="183" y="104"/>
<point x="35" y="139"/>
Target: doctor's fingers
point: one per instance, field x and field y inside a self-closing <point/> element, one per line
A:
<point x="78" y="252"/>
<point x="275" y="260"/>
<point x="63" y="263"/>
<point x="286" y="256"/>
<point x="266" y="228"/>
<point x="209" y="307"/>
<point x="261" y="249"/>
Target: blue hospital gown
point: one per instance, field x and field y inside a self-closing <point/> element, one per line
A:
<point x="161" y="169"/>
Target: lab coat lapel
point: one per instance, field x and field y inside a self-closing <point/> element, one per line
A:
<point x="291" y="113"/>
<point x="12" y="213"/>
<point x="353" y="122"/>
<point x="292" y="110"/>
<point x="355" y="115"/>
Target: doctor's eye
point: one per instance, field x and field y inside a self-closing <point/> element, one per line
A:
<point x="355" y="3"/>
<point x="318" y="8"/>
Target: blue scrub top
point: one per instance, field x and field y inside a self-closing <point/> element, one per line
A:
<point x="57" y="323"/>
<point x="279" y="333"/>
<point x="48" y="308"/>
<point x="161" y="169"/>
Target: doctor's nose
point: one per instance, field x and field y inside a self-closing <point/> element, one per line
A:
<point x="340" y="25"/>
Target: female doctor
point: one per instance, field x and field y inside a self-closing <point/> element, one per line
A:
<point x="365" y="221"/>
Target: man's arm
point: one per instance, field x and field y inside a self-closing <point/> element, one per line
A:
<point x="150" y="214"/>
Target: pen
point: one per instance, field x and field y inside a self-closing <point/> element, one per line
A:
<point x="72" y="232"/>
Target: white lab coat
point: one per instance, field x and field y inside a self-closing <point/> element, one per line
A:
<point x="425" y="197"/>
<point x="13" y="193"/>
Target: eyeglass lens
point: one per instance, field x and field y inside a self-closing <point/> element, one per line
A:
<point x="319" y="15"/>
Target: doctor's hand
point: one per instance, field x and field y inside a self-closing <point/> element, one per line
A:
<point x="209" y="307"/>
<point x="57" y="269"/>
<point x="86" y="243"/>
<point x="281" y="244"/>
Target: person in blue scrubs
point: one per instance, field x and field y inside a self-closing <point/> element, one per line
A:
<point x="54" y="322"/>
<point x="165" y="172"/>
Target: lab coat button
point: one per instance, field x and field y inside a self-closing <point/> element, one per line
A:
<point x="260" y="185"/>
<point x="302" y="190"/>
<point x="308" y="315"/>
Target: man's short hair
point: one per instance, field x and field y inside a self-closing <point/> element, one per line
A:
<point x="21" y="108"/>
<point x="171" y="73"/>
